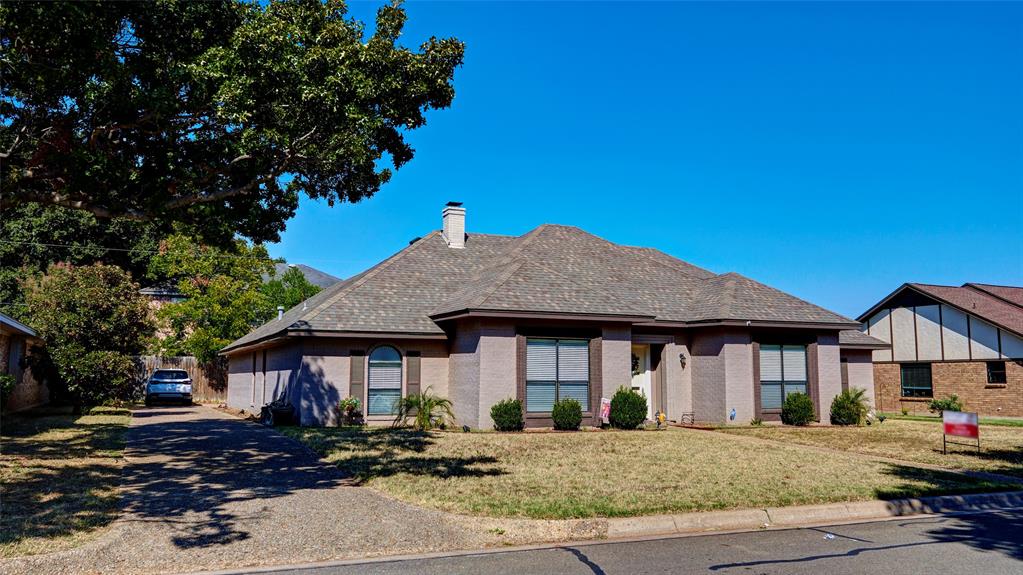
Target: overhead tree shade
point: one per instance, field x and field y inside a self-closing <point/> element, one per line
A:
<point x="217" y="114"/>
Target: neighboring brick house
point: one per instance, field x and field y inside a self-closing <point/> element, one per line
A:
<point x="965" y="340"/>
<point x="554" y="313"/>
<point x="16" y="340"/>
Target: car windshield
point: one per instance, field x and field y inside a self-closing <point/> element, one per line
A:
<point x="170" y="374"/>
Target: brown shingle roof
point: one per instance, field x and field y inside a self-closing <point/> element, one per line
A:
<point x="552" y="269"/>
<point x="856" y="338"/>
<point x="979" y="303"/>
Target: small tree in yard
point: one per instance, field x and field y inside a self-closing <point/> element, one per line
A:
<point x="628" y="409"/>
<point x="92" y="320"/>
<point x="567" y="414"/>
<point x="849" y="407"/>
<point x="425" y="409"/>
<point x="797" y="409"/>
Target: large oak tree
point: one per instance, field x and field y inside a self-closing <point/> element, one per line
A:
<point x="216" y="114"/>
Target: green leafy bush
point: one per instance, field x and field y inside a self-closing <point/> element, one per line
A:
<point x="567" y="415"/>
<point x="507" y="415"/>
<point x="350" y="411"/>
<point x="950" y="403"/>
<point x="797" y="409"/>
<point x="628" y="409"/>
<point x="849" y="407"/>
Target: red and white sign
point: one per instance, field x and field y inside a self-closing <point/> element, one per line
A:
<point x="961" y="424"/>
<point x="605" y="410"/>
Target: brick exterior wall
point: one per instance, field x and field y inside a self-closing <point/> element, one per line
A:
<point x="967" y="379"/>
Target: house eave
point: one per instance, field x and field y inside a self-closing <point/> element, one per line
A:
<point x="752" y="323"/>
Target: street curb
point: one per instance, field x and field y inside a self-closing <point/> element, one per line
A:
<point x="752" y="519"/>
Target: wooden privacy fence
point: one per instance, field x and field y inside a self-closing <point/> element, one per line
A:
<point x="209" y="382"/>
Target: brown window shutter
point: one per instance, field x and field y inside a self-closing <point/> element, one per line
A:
<point x="412" y="365"/>
<point x="357" y="377"/>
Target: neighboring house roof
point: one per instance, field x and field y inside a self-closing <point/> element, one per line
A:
<point x="552" y="270"/>
<point x="855" y="339"/>
<point x="999" y="305"/>
<point x="312" y="275"/>
<point x="165" y="289"/>
<point x="16" y="326"/>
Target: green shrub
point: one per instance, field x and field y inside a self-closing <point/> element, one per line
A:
<point x="849" y="407"/>
<point x="628" y="409"/>
<point x="950" y="403"/>
<point x="350" y="411"/>
<point x="567" y="414"/>
<point x="507" y="415"/>
<point x="797" y="409"/>
<point x="7" y="383"/>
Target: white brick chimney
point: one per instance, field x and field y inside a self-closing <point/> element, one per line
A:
<point x="454" y="224"/>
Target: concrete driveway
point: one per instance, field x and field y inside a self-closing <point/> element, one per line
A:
<point x="204" y="490"/>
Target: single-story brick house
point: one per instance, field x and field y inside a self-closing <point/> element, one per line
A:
<point x="554" y="313"/>
<point x="16" y="341"/>
<point x="964" y="340"/>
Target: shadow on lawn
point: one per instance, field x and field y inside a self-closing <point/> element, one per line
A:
<point x="58" y="485"/>
<point x="921" y="482"/>
<point x="1009" y="461"/>
<point x="367" y="453"/>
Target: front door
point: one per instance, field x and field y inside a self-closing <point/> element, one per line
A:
<point x="641" y="380"/>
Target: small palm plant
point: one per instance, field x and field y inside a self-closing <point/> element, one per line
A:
<point x="425" y="410"/>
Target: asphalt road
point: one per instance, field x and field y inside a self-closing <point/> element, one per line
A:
<point x="990" y="543"/>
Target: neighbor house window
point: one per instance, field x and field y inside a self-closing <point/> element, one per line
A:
<point x="384" y="381"/>
<point x="996" y="372"/>
<point x="916" y="380"/>
<point x="782" y="372"/>
<point x="557" y="369"/>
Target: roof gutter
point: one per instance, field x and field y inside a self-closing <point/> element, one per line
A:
<point x="626" y="318"/>
<point x="754" y="323"/>
<point x="17" y="325"/>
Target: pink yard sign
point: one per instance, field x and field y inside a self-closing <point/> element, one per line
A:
<point x="961" y="424"/>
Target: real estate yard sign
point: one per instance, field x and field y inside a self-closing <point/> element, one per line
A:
<point x="605" y="410"/>
<point x="959" y="424"/>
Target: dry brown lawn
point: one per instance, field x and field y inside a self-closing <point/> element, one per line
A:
<point x="59" y="475"/>
<point x="611" y="473"/>
<point x="915" y="441"/>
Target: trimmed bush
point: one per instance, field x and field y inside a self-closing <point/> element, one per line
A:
<point x="507" y="415"/>
<point x="849" y="407"/>
<point x="567" y="415"/>
<point x="628" y="409"/>
<point x="950" y="403"/>
<point x="797" y="409"/>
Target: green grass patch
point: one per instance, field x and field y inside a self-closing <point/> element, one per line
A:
<point x="59" y="475"/>
<point x="908" y="440"/>
<point x="611" y="473"/>
<point x="937" y="419"/>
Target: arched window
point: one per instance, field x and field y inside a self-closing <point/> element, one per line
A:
<point x="384" y="381"/>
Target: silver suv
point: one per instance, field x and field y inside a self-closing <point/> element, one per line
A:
<point x="169" y="384"/>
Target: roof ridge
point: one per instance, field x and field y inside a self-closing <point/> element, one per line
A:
<point x="981" y="290"/>
<point x="361" y="279"/>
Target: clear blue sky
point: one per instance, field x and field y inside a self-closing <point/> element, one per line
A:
<point x="833" y="151"/>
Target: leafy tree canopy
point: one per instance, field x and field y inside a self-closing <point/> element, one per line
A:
<point x="216" y="114"/>
<point x="33" y="236"/>
<point x="92" y="320"/>
<point x="223" y="291"/>
<point x="288" y="290"/>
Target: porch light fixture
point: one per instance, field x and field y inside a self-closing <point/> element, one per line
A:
<point x="682" y="360"/>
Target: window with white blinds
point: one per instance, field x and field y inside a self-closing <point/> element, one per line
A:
<point x="384" y="385"/>
<point x="557" y="369"/>
<point x="782" y="372"/>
